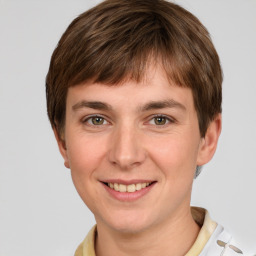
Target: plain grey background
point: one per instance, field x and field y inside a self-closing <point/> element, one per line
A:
<point x="40" y="211"/>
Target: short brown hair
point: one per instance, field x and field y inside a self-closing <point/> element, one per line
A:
<point x="114" y="42"/>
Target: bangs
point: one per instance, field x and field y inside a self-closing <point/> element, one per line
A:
<point x="127" y="55"/>
<point x="118" y="41"/>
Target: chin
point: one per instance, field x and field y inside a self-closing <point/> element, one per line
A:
<point x="130" y="223"/>
<point x="126" y="228"/>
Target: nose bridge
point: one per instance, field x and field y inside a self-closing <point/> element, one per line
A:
<point x="126" y="148"/>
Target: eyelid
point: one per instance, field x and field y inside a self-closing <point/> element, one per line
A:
<point x="88" y="117"/>
<point x="168" y="118"/>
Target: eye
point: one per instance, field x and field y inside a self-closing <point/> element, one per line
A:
<point x="160" y="120"/>
<point x="95" y="120"/>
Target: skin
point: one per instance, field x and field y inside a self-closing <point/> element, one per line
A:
<point x="129" y="143"/>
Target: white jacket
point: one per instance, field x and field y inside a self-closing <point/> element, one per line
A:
<point x="220" y="243"/>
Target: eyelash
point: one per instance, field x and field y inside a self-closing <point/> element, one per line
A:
<point x="86" y="120"/>
<point x="167" y="118"/>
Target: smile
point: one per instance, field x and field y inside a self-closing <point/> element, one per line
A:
<point x="128" y="191"/>
<point x="128" y="188"/>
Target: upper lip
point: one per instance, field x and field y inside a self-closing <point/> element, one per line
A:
<point x="127" y="182"/>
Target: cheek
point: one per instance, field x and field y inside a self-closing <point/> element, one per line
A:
<point x="176" y="157"/>
<point x="85" y="156"/>
<point x="84" y="152"/>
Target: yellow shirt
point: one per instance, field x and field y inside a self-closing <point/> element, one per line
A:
<point x="200" y="215"/>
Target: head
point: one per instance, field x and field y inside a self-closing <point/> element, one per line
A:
<point x="117" y="41"/>
<point x="133" y="95"/>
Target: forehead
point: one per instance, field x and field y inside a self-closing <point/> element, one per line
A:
<point x="155" y="87"/>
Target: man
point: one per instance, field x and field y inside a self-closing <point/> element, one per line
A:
<point x="134" y="99"/>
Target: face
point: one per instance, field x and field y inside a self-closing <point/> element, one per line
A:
<point x="133" y="150"/>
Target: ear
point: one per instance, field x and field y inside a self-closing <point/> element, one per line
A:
<point x="209" y="143"/>
<point x="62" y="148"/>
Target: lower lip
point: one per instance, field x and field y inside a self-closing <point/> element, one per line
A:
<point x="129" y="196"/>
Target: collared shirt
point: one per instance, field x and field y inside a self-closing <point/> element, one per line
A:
<point x="212" y="239"/>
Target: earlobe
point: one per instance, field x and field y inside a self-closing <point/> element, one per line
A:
<point x="209" y="143"/>
<point x="62" y="148"/>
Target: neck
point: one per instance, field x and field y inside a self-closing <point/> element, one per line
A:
<point x="176" y="235"/>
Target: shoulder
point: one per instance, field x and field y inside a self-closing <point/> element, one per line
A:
<point x="86" y="248"/>
<point x="221" y="243"/>
<point x="79" y="250"/>
<point x="213" y="239"/>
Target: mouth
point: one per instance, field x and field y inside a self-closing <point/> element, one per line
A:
<point x="128" y="190"/>
<point x="131" y="188"/>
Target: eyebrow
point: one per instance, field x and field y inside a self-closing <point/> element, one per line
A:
<point x="92" y="104"/>
<point x="149" y="106"/>
<point x="170" y="103"/>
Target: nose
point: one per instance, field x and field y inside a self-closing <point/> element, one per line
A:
<point x="126" y="148"/>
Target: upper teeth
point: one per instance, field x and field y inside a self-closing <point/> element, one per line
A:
<point x="128" y="188"/>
